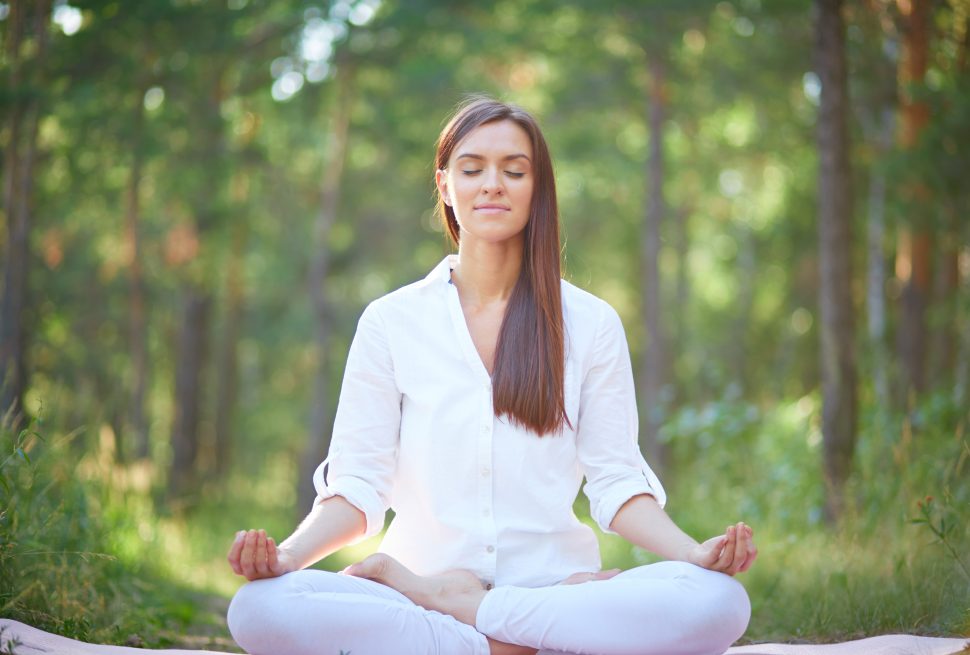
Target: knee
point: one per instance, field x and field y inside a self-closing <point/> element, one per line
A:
<point x="249" y="615"/>
<point x="723" y="611"/>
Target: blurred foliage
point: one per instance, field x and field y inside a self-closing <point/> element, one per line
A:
<point x="79" y="554"/>
<point x="236" y="102"/>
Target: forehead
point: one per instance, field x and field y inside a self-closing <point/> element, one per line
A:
<point x="498" y="139"/>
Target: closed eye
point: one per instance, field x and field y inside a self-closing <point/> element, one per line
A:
<point x="512" y="174"/>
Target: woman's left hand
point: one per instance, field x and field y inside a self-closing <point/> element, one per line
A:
<point x="732" y="552"/>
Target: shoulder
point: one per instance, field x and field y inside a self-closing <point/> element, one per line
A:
<point x="412" y="301"/>
<point x="582" y="307"/>
<point x="593" y="326"/>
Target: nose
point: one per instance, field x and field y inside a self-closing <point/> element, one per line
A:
<point x="492" y="182"/>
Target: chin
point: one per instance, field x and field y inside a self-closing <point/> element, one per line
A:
<point x="495" y="236"/>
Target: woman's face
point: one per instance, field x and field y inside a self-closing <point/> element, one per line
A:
<point x="489" y="181"/>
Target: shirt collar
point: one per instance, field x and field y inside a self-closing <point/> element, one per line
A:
<point x="442" y="272"/>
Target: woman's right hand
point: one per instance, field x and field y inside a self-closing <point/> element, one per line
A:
<point x="253" y="555"/>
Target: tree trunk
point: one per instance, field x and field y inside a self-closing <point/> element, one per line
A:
<point x="876" y="262"/>
<point x="835" y="247"/>
<point x="945" y="299"/>
<point x="228" y="366"/>
<point x="653" y="364"/>
<point x="137" y="330"/>
<point x="318" y="438"/>
<point x="192" y="356"/>
<point x="747" y="272"/>
<point x="914" y="249"/>
<point x="682" y="295"/>
<point x="961" y="376"/>
<point x="961" y="382"/>
<point x="192" y="351"/>
<point x="18" y="184"/>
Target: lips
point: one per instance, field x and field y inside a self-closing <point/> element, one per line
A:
<point x="491" y="208"/>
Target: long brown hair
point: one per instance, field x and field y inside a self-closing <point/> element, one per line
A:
<point x="529" y="372"/>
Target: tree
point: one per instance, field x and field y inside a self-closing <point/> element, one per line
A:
<point x="654" y="365"/>
<point x="137" y="313"/>
<point x="915" y="243"/>
<point x="27" y="42"/>
<point x="835" y="249"/>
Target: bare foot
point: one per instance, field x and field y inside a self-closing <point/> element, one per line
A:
<point x="457" y="593"/>
<point x="592" y="576"/>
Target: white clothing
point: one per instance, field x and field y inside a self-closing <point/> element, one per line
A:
<point x="415" y="430"/>
<point x="670" y="608"/>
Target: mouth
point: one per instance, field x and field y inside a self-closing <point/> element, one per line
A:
<point x="491" y="208"/>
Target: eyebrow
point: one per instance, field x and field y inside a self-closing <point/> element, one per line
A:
<point x="472" y="155"/>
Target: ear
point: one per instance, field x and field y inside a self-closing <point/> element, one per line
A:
<point x="441" y="180"/>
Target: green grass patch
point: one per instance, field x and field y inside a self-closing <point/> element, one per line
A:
<point x="79" y="553"/>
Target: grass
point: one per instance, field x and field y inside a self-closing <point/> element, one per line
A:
<point x="885" y="566"/>
<point x="76" y="557"/>
<point x="86" y="552"/>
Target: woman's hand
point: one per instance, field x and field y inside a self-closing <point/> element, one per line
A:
<point x="253" y="555"/>
<point x="732" y="552"/>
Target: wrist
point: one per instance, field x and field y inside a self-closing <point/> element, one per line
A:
<point x="287" y="559"/>
<point x="685" y="551"/>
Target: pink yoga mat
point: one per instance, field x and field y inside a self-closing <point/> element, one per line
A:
<point x="34" y="641"/>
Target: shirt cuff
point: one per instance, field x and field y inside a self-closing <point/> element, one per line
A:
<point x="355" y="491"/>
<point x="604" y="511"/>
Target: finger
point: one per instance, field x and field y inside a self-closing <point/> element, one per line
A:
<point x="727" y="552"/>
<point x="750" y="551"/>
<point x="272" y="559"/>
<point x="740" y="547"/>
<point x="234" y="550"/>
<point x="605" y="575"/>
<point x="259" y="555"/>
<point x="752" y="554"/>
<point x="246" y="557"/>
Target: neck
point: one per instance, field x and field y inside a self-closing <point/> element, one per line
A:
<point x="486" y="273"/>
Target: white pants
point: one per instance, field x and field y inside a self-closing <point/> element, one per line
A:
<point x="670" y="608"/>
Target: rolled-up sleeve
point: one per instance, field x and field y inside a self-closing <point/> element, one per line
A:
<point x="363" y="449"/>
<point x="606" y="438"/>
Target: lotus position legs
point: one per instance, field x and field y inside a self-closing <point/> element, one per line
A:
<point x="378" y="607"/>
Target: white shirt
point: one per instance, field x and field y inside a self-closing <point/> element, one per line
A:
<point x="415" y="431"/>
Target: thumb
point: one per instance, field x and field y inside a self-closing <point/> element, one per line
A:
<point x="709" y="551"/>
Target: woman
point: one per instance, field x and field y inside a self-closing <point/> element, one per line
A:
<point x="473" y="403"/>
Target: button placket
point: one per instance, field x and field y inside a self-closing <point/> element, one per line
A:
<point x="485" y="484"/>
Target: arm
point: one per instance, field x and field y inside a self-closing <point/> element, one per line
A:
<point x="353" y="484"/>
<point x="625" y="496"/>
<point x="642" y="522"/>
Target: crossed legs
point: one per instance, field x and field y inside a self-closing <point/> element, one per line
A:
<point x="670" y="608"/>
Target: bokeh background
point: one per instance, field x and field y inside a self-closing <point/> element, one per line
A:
<point x="199" y="198"/>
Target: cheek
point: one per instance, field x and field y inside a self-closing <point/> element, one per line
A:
<point x="461" y="188"/>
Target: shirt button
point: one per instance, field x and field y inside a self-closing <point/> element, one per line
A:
<point x="486" y="512"/>
<point x="490" y="549"/>
<point x="486" y="471"/>
<point x="489" y="586"/>
<point x="486" y="428"/>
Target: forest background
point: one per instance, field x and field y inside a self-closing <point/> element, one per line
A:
<point x="199" y="198"/>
